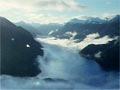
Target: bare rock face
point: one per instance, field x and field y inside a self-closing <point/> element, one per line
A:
<point x="18" y="51"/>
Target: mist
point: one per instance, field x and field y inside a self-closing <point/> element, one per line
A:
<point x="63" y="68"/>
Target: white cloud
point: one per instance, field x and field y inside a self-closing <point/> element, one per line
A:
<point x="108" y="15"/>
<point x="93" y="39"/>
<point x="43" y="18"/>
<point x="60" y="5"/>
<point x="38" y="10"/>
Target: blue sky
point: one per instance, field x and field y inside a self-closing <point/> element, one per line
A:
<point x="57" y="11"/>
<point x="98" y="7"/>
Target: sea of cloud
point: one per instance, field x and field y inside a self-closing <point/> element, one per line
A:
<point x="63" y="68"/>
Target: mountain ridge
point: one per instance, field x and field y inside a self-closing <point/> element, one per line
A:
<point x="18" y="51"/>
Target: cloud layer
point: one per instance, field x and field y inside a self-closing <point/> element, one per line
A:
<point x="60" y="5"/>
<point x="39" y="10"/>
<point x="57" y="11"/>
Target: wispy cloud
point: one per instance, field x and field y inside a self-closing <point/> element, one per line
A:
<point x="39" y="10"/>
<point x="108" y="15"/>
<point x="50" y="5"/>
<point x="46" y="11"/>
<point x="60" y="5"/>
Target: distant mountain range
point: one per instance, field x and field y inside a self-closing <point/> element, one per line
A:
<point x="92" y="20"/>
<point x="39" y="29"/>
<point x="28" y="27"/>
<point x="82" y="28"/>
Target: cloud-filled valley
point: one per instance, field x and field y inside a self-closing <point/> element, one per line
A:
<point x="79" y="54"/>
<point x="63" y="68"/>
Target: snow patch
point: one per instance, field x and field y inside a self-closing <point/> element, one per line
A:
<point x="50" y="32"/>
<point x="98" y="55"/>
<point x="12" y="39"/>
<point x="27" y="45"/>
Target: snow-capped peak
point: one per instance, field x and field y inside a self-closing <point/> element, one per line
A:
<point x="92" y="20"/>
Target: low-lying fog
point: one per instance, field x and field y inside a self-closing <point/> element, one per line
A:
<point x="63" y="68"/>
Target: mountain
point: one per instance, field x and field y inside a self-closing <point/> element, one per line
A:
<point x="84" y="28"/>
<point x="95" y="20"/>
<point x="116" y="18"/>
<point x="18" y="51"/>
<point x="39" y="29"/>
<point x="92" y="20"/>
<point x="28" y="27"/>
<point x="106" y="55"/>
<point x="75" y="20"/>
<point x="45" y="29"/>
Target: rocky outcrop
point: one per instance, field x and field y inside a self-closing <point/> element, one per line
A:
<point x="18" y="51"/>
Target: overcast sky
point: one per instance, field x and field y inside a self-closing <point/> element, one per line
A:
<point x="56" y="11"/>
